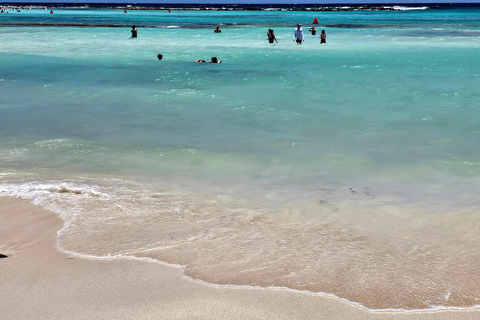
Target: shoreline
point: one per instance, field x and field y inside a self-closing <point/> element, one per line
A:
<point x="41" y="282"/>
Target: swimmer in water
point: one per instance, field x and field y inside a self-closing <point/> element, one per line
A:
<point x="214" y="60"/>
<point x="134" y="32"/>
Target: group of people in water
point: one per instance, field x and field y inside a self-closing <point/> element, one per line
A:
<point x="214" y="60"/>
<point x="297" y="34"/>
<point x="298" y="37"/>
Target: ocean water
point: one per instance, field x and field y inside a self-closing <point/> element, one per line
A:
<point x="350" y="168"/>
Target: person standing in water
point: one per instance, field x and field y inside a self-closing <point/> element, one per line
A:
<point x="134" y="32"/>
<point x="323" y="37"/>
<point x="298" y="34"/>
<point x="313" y="31"/>
<point x="271" y="36"/>
<point x="218" y="30"/>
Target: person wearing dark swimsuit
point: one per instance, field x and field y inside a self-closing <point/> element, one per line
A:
<point x="271" y="36"/>
<point x="323" y="37"/>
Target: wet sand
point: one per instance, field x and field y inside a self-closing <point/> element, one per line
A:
<point x="38" y="281"/>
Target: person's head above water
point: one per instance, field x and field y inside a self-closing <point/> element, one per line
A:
<point x="159" y="57"/>
<point x="214" y="59"/>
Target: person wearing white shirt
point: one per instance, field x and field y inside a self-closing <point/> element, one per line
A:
<point x="298" y="34"/>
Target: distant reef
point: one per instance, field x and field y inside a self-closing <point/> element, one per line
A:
<point x="19" y="7"/>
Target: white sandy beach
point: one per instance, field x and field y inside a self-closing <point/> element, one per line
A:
<point x="38" y="281"/>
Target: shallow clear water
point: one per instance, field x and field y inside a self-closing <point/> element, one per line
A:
<point x="348" y="168"/>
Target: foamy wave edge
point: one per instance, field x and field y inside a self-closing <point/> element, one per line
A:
<point x="402" y="8"/>
<point x="19" y="191"/>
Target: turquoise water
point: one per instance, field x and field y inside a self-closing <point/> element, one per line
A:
<point x="350" y="168"/>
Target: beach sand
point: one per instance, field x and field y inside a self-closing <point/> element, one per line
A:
<point x="38" y="281"/>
